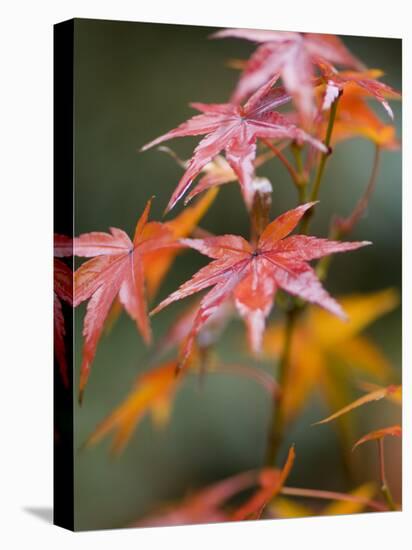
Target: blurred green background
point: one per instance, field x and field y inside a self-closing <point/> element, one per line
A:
<point x="133" y="82"/>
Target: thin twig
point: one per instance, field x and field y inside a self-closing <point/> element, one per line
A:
<point x="343" y="226"/>
<point x="346" y="225"/>
<point x="384" y="484"/>
<point x="332" y="495"/>
<point x="258" y="375"/>
<point x="301" y="172"/>
<point x="276" y="430"/>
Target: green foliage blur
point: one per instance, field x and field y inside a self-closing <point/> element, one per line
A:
<point x="133" y="82"/>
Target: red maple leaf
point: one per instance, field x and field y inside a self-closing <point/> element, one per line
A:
<point x="116" y="269"/>
<point x="63" y="291"/>
<point x="293" y="55"/>
<point x="212" y="504"/>
<point x="271" y="482"/>
<point x="63" y="288"/>
<point x="235" y="130"/>
<point x="365" y="81"/>
<point x="251" y="275"/>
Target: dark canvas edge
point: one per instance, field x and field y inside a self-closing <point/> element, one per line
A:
<point x="63" y="159"/>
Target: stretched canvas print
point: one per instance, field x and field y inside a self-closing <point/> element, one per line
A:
<point x="227" y="269"/>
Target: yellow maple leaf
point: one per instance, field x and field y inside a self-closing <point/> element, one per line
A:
<point x="336" y="508"/>
<point x="353" y="502"/>
<point x="375" y="395"/>
<point x="321" y="343"/>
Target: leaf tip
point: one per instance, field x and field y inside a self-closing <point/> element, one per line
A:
<point x="310" y="204"/>
<point x="168" y="208"/>
<point x="317" y="423"/>
<point x="147" y="336"/>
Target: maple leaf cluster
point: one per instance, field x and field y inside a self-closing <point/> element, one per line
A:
<point x="246" y="277"/>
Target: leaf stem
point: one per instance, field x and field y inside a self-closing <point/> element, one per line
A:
<point x="302" y="194"/>
<point x="259" y="213"/>
<point x="284" y="160"/>
<point x="386" y="492"/>
<point x="301" y="173"/>
<point x="259" y="375"/>
<point x="276" y="429"/>
<point x="321" y="166"/>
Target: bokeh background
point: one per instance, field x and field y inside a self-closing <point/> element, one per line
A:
<point x="133" y="82"/>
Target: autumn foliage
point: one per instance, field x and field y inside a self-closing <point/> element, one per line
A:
<point x="297" y="97"/>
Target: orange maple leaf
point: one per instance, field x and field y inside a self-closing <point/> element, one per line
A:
<point x="152" y="393"/>
<point x="210" y="505"/>
<point x="395" y="431"/>
<point x="321" y="340"/>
